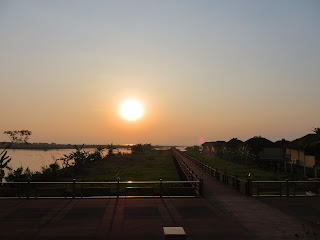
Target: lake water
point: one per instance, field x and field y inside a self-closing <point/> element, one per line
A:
<point x="36" y="159"/>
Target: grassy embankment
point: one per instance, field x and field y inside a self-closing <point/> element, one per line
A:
<point x="146" y="166"/>
<point x="241" y="170"/>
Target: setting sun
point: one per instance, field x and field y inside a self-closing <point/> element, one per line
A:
<point x="131" y="110"/>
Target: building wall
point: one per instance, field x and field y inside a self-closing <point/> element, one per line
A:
<point x="288" y="151"/>
<point x="310" y="161"/>
<point x="302" y="159"/>
<point x="294" y="154"/>
<point x="208" y="149"/>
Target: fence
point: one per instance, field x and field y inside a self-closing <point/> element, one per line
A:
<point x="285" y="188"/>
<point x="260" y="188"/>
<point x="117" y="189"/>
<point x="188" y="174"/>
<point x="230" y="180"/>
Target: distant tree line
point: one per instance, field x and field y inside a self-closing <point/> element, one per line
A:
<point x="140" y="148"/>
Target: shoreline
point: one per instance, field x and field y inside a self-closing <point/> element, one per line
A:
<point x="54" y="146"/>
<point x="44" y="146"/>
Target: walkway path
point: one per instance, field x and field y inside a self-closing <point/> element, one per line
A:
<point x="224" y="214"/>
<point x="264" y="221"/>
<point x="115" y="219"/>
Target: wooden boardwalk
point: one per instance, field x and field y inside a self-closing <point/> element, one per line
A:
<point x="258" y="218"/>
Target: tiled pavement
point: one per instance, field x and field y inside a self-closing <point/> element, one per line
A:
<point x="141" y="218"/>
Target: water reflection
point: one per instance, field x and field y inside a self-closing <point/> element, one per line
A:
<point x="36" y="159"/>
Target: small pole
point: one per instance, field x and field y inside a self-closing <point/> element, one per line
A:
<point x="118" y="187"/>
<point x="249" y="185"/>
<point x="237" y="182"/>
<point x="225" y="177"/>
<point x="201" y="188"/>
<point x="233" y="182"/>
<point x="74" y="188"/>
<point x="246" y="187"/>
<point x="28" y="189"/>
<point x="287" y="187"/>
<point x="161" y="187"/>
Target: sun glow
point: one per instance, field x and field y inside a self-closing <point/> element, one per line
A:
<point x="131" y="110"/>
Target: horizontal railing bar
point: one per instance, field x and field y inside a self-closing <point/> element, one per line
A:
<point x="102" y="197"/>
<point x="284" y="182"/>
<point x="127" y="182"/>
<point x="269" y="181"/>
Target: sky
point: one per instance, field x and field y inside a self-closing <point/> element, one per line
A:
<point x="209" y="70"/>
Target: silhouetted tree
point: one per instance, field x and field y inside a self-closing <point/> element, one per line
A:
<point x="110" y="148"/>
<point x="141" y="148"/>
<point x="4" y="160"/>
<point x="137" y="148"/>
<point x="21" y="136"/>
<point x="194" y="148"/>
<point x="316" y="130"/>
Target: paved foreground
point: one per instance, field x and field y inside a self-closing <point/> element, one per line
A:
<point x="115" y="219"/>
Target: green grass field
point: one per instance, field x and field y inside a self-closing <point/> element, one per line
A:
<point x="147" y="166"/>
<point x="241" y="170"/>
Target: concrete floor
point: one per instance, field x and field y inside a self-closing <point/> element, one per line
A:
<point x="115" y="219"/>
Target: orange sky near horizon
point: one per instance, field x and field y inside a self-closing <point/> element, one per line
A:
<point x="212" y="70"/>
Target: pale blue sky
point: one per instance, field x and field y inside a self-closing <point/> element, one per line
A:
<point x="212" y="69"/>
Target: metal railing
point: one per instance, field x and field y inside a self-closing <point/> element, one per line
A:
<point x="261" y="188"/>
<point x="230" y="180"/>
<point x="188" y="173"/>
<point x="285" y="188"/>
<point x="117" y="189"/>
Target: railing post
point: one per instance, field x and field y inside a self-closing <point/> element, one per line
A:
<point x="217" y="174"/>
<point x="28" y="189"/>
<point x="225" y="177"/>
<point x="249" y="186"/>
<point x="201" y="188"/>
<point x="246" y="187"/>
<point x="233" y="182"/>
<point x="287" y="187"/>
<point x="237" y="183"/>
<point x="161" y="187"/>
<point x="74" y="188"/>
<point x="118" y="187"/>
